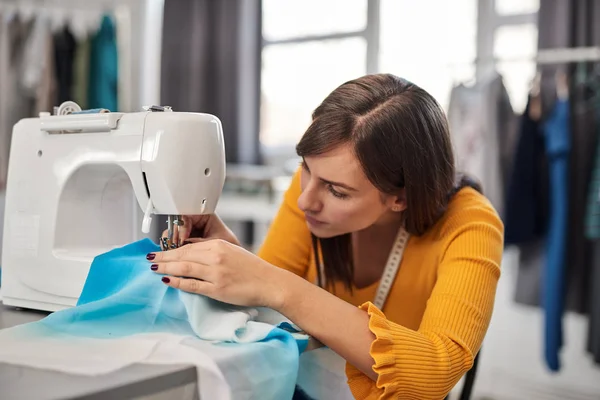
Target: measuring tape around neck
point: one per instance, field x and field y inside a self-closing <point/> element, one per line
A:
<point x="391" y="268"/>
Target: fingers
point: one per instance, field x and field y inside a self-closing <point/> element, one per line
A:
<point x="189" y="285"/>
<point x="184" y="269"/>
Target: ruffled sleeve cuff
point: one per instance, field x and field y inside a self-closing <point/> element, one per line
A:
<point x="361" y="385"/>
<point x="402" y="362"/>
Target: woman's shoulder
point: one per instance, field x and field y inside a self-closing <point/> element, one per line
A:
<point x="469" y="208"/>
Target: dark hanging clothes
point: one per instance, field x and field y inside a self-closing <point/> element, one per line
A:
<point x="592" y="233"/>
<point x="579" y="248"/>
<point x="527" y="208"/>
<point x="526" y="213"/>
<point x="65" y="46"/>
<point x="593" y="339"/>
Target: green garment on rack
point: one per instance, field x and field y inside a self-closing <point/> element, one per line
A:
<point x="103" y="78"/>
<point x="81" y="70"/>
<point x="592" y="216"/>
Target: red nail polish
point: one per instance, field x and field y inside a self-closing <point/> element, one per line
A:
<point x="165" y="279"/>
<point x="154" y="267"/>
<point x="150" y="256"/>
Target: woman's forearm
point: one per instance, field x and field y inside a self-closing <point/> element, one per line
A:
<point x="337" y="324"/>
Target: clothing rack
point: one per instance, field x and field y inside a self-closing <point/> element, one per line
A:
<point x="567" y="55"/>
<point x="139" y="37"/>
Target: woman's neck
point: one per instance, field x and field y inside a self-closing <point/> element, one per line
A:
<point x="390" y="221"/>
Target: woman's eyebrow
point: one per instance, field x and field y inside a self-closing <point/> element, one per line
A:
<point x="339" y="184"/>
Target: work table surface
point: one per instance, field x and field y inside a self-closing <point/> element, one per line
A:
<point x="137" y="381"/>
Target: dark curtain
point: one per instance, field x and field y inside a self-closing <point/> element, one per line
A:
<point x="211" y="64"/>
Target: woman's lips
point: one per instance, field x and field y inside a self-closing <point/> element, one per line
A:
<point x="313" y="221"/>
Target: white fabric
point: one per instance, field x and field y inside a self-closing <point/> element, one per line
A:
<point x="224" y="372"/>
<point x="216" y="321"/>
<point x="88" y="356"/>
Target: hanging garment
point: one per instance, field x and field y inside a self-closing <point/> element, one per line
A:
<point x="527" y="202"/>
<point x="64" y="57"/>
<point x="37" y="80"/>
<point x="593" y="339"/>
<point x="126" y="315"/>
<point x="592" y="233"/>
<point x="482" y="125"/>
<point x="126" y="50"/>
<point x="103" y="76"/>
<point x="14" y="103"/>
<point x="558" y="144"/>
<point x="46" y="89"/>
<point x="25" y="77"/>
<point x="81" y="69"/>
<point x="526" y="214"/>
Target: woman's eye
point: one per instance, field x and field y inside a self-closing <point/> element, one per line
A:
<point x="336" y="193"/>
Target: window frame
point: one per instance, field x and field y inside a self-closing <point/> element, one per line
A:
<point x="488" y="21"/>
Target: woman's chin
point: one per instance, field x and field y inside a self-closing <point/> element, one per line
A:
<point x="323" y="232"/>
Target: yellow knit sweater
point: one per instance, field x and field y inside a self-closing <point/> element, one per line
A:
<point x="439" y="306"/>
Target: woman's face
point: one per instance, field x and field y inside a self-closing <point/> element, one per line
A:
<point x="337" y="197"/>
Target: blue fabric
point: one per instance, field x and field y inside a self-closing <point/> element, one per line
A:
<point x="558" y="145"/>
<point x="122" y="298"/>
<point x="103" y="75"/>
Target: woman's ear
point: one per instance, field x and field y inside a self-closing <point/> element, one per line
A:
<point x="397" y="202"/>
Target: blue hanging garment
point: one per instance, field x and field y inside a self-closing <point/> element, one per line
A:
<point x="558" y="144"/>
<point x="126" y="315"/>
<point x="103" y="76"/>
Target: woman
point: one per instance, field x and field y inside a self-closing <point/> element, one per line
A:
<point x="409" y="254"/>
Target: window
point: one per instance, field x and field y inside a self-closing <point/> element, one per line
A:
<point x="310" y="48"/>
<point x="293" y="19"/>
<point x="296" y="77"/>
<point x="514" y="48"/>
<point x="515" y="7"/>
<point x="429" y="42"/>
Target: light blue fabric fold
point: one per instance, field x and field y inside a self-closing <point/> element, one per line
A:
<point x="256" y="349"/>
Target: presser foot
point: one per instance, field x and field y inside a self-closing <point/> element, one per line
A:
<point x="174" y="222"/>
<point x="166" y="244"/>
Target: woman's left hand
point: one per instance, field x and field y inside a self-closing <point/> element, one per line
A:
<point x="222" y="271"/>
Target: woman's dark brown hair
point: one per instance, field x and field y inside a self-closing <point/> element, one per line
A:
<point x="401" y="138"/>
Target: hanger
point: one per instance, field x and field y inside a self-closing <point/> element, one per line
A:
<point x="8" y="11"/>
<point x="535" y="93"/>
<point x="83" y="21"/>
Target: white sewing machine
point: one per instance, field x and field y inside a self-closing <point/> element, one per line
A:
<point x="72" y="184"/>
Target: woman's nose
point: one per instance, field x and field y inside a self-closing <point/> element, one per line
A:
<point x="309" y="200"/>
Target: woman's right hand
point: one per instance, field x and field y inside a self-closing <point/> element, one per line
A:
<point x="201" y="227"/>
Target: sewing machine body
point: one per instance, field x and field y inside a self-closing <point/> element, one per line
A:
<point x="76" y="186"/>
